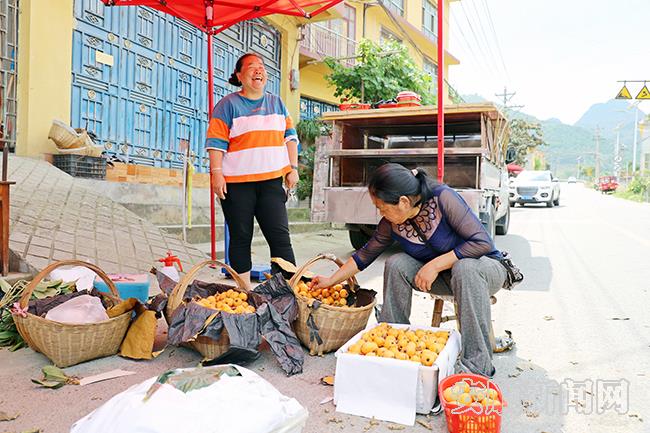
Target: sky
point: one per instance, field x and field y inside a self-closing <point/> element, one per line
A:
<point x="559" y="56"/>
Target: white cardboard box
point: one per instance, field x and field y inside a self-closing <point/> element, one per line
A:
<point x="390" y="389"/>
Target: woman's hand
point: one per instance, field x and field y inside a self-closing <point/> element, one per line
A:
<point x="219" y="184"/>
<point x="291" y="179"/>
<point x="426" y="276"/>
<point x="321" y="282"/>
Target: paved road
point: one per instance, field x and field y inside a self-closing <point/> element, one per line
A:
<point x="580" y="315"/>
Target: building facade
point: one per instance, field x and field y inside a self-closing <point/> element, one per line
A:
<point x="137" y="78"/>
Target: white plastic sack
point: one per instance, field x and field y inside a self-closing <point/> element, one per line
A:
<point x="241" y="404"/>
<point x="80" y="310"/>
<point x="82" y="275"/>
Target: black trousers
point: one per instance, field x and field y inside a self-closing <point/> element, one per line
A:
<point x="265" y="201"/>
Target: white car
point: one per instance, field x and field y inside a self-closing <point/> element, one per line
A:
<point x="532" y="186"/>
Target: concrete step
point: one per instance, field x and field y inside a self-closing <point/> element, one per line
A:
<point x="200" y="233"/>
<point x="13" y="277"/>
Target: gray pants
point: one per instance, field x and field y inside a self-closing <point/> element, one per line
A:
<point x="471" y="281"/>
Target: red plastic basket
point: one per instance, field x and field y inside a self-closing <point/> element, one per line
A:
<point x="471" y="419"/>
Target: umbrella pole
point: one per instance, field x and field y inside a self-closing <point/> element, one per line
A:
<point x="213" y="239"/>
<point x="441" y="97"/>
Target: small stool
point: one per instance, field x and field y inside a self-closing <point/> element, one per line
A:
<point x="438" y="318"/>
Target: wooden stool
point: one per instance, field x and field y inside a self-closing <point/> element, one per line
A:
<point x="438" y="318"/>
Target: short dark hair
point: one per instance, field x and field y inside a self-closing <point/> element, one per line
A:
<point x="240" y="62"/>
<point x="391" y="181"/>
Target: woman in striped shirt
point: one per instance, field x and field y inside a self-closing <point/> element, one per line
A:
<point x="253" y="150"/>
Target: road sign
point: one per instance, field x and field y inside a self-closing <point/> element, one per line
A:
<point x="624" y="93"/>
<point x="618" y="158"/>
<point x="644" y="93"/>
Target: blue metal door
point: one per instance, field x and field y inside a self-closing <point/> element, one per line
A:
<point x="139" y="79"/>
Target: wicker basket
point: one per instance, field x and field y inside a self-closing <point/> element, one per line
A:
<point x="206" y="346"/>
<point x="336" y="325"/>
<point x="67" y="344"/>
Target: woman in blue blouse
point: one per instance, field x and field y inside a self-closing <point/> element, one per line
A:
<point x="446" y="251"/>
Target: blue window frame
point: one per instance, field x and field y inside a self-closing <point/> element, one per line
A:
<point x="430" y="20"/>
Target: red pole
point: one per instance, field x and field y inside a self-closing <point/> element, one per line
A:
<point x="213" y="233"/>
<point x="441" y="96"/>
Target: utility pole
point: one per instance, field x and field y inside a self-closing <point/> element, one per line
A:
<point x="636" y="127"/>
<point x="506" y="98"/>
<point x="617" y="151"/>
<point x="597" y="139"/>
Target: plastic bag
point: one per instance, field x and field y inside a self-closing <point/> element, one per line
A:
<point x="233" y="404"/>
<point x="80" y="310"/>
<point x="82" y="275"/>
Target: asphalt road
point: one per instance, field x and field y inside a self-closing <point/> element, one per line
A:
<point x="580" y="320"/>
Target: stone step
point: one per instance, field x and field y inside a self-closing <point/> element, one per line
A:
<point x="13" y="277"/>
<point x="200" y="233"/>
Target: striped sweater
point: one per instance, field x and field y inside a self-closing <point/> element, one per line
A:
<point x="253" y="134"/>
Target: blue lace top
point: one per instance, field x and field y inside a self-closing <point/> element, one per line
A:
<point x="446" y="222"/>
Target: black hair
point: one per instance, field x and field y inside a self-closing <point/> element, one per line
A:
<point x="240" y="62"/>
<point x="391" y="181"/>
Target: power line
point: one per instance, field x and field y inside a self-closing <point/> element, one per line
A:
<point x="482" y="30"/>
<point x="496" y="38"/>
<point x="476" y="39"/>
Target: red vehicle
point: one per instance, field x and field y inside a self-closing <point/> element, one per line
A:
<point x="607" y="184"/>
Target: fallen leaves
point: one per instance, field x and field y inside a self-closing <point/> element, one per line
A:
<point x="549" y="318"/>
<point x="4" y="416"/>
<point x="426" y="425"/>
<point x="54" y="378"/>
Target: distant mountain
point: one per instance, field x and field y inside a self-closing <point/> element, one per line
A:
<point x="609" y="115"/>
<point x="474" y="98"/>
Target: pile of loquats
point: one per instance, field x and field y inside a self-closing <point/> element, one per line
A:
<point x="232" y="302"/>
<point x="421" y="346"/>
<point x="336" y="295"/>
<point x="465" y="395"/>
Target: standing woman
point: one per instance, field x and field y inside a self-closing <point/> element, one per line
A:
<point x="446" y="251"/>
<point x="253" y="149"/>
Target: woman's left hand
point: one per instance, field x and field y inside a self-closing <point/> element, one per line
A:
<point x="291" y="180"/>
<point x="426" y="276"/>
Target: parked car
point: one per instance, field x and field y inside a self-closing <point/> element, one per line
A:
<point x="607" y="184"/>
<point x="571" y="179"/>
<point x="533" y="186"/>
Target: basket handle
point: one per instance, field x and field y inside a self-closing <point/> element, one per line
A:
<point x="293" y="282"/>
<point x="177" y="294"/>
<point x="29" y="289"/>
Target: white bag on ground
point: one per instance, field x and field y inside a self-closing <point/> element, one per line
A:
<point x="240" y="404"/>
<point x="80" y="310"/>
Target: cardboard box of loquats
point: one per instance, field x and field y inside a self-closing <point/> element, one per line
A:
<point x="391" y="371"/>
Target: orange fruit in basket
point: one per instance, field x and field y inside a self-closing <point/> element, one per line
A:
<point x="410" y="348"/>
<point x="420" y="345"/>
<point x="379" y="341"/>
<point x="465" y="399"/>
<point x="338" y="286"/>
<point x="478" y="393"/>
<point x="343" y="302"/>
<point x="390" y="340"/>
<point x="369" y="346"/>
<point x="243" y="296"/>
<point x="335" y="295"/>
<point x="411" y="336"/>
<point x="420" y="333"/>
<point x="343" y="293"/>
<point x="355" y="348"/>
<point x="492" y="394"/>
<point x="428" y="357"/>
<point x="388" y="354"/>
<point x="450" y="394"/>
<point x="437" y="347"/>
<point x="393" y="348"/>
<point x="394" y="332"/>
<point x="416" y="358"/>
<point x="380" y="351"/>
<point x="402" y="356"/>
<point x="371" y="354"/>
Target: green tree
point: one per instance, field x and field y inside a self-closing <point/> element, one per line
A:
<point x="379" y="73"/>
<point x="524" y="138"/>
<point x="308" y="131"/>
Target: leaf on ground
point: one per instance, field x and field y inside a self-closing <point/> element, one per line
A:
<point x="394" y="427"/>
<point x="4" y="416"/>
<point x="620" y="318"/>
<point x="327" y="380"/>
<point x="526" y="403"/>
<point x="49" y="383"/>
<point x="426" y="425"/>
<point x="548" y="318"/>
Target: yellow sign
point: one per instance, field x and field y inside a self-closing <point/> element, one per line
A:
<point x="624" y="93"/>
<point x="644" y="93"/>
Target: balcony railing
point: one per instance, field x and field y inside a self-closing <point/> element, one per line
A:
<point x="323" y="42"/>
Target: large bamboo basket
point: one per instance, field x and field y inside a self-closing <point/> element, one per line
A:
<point x="206" y="346"/>
<point x="336" y="325"/>
<point x="66" y="344"/>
